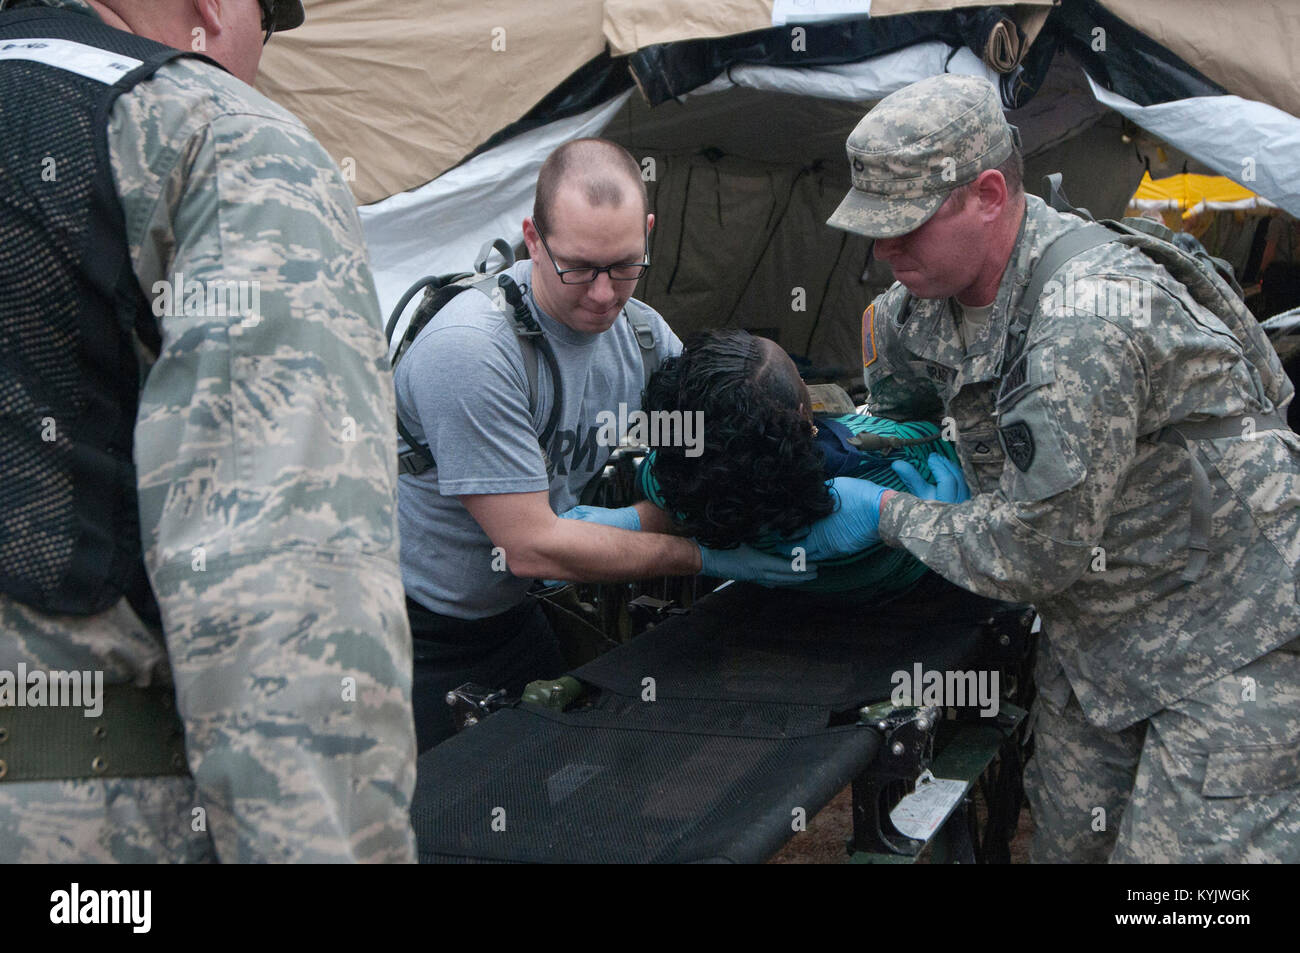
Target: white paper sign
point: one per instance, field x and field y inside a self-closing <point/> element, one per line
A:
<point x="811" y="11"/>
<point x="923" y="811"/>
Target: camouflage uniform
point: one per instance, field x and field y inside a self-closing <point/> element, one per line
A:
<point x="1189" y="688"/>
<point x="265" y="459"/>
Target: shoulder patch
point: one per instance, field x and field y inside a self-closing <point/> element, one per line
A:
<point x="1018" y="444"/>
<point x="869" y="354"/>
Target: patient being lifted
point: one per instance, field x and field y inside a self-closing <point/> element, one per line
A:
<point x="761" y="478"/>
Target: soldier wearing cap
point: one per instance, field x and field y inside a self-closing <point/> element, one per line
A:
<point x="1168" y="719"/>
<point x="196" y="458"/>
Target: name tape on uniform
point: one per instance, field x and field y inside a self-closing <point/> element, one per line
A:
<point x="87" y="61"/>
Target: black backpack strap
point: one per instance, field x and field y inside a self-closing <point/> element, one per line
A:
<point x="1054" y="257"/>
<point x="1181" y="435"/>
<point x="532" y="341"/>
<point x="533" y="346"/>
<point x="527" y="330"/>
<point x="638" y="315"/>
<point x="1056" y="197"/>
<point x="418" y="458"/>
<point x="502" y="247"/>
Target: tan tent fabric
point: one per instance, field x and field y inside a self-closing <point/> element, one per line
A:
<point x="339" y="72"/>
<point x="1248" y="47"/>
<point x="632" y="24"/>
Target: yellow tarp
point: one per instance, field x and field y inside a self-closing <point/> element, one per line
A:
<point x="1191" y="194"/>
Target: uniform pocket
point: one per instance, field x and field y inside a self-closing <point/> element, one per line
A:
<point x="1240" y="772"/>
<point x="1041" y="463"/>
<point x="1264" y="474"/>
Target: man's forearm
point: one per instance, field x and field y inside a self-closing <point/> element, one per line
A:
<point x="595" y="553"/>
<point x="653" y="519"/>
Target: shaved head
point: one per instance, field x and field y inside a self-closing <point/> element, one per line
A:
<point x="228" y="31"/>
<point x="603" y="172"/>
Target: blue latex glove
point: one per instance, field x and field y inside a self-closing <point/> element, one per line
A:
<point x="625" y="517"/>
<point x="747" y="564"/>
<point x="949" y="487"/>
<point x="853" y="526"/>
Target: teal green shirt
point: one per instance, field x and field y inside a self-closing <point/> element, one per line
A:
<point x="882" y="569"/>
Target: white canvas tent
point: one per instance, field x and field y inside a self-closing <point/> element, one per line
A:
<point x="442" y="119"/>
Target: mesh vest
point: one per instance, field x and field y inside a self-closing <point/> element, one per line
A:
<point x="69" y="310"/>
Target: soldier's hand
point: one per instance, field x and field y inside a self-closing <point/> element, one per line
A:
<point x="949" y="486"/>
<point x="853" y="526"/>
<point x="749" y="565"/>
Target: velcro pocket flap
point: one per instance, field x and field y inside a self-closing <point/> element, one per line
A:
<point x="1238" y="772"/>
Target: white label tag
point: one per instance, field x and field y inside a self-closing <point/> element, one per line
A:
<point x="77" y="58"/>
<point x="923" y="811"/>
<point x="811" y="11"/>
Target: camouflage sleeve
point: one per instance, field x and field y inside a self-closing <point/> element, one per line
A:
<point x="265" y="454"/>
<point x="891" y="390"/>
<point x="1069" y="425"/>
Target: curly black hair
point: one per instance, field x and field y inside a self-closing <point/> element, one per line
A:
<point x="759" y="472"/>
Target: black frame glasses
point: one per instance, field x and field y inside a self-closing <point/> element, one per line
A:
<point x="268" y="19"/>
<point x="631" y="270"/>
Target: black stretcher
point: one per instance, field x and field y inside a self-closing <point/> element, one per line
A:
<point x="702" y="740"/>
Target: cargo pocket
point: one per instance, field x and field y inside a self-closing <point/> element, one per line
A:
<point x="1243" y="463"/>
<point x="1040" y="463"/>
<point x="1243" y="772"/>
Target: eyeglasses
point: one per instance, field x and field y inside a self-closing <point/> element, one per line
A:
<point x="268" y="19"/>
<point x="627" y="271"/>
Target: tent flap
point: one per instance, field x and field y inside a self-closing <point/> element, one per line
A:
<point x="631" y="25"/>
<point x="668" y="71"/>
<point x="1246" y="47"/>
<point x="1251" y="143"/>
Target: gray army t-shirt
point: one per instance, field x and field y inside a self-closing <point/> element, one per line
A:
<point x="462" y="389"/>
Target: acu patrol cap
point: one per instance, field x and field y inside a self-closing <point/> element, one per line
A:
<point x="287" y="14"/>
<point x="916" y="146"/>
